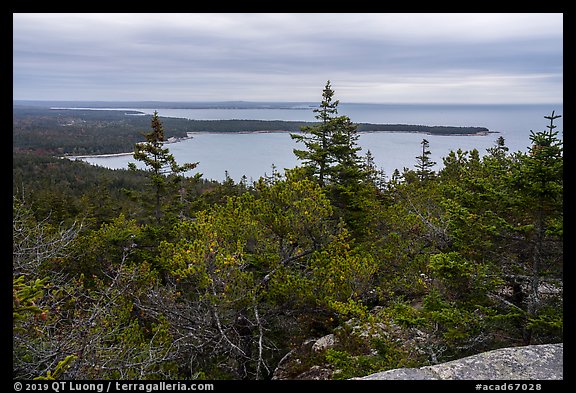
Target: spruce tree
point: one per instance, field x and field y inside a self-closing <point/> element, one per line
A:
<point x="348" y="175"/>
<point x="317" y="138"/>
<point x="163" y="170"/>
<point x="348" y="169"/>
<point x="331" y="157"/>
<point x="331" y="152"/>
<point x="424" y="163"/>
<point x="540" y="181"/>
<point x="373" y="174"/>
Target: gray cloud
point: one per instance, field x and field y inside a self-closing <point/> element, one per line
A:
<point x="288" y="57"/>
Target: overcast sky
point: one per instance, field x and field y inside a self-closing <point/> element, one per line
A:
<point x="374" y="57"/>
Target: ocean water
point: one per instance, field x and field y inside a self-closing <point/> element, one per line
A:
<point x="255" y="154"/>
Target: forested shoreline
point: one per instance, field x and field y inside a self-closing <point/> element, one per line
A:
<point x="93" y="132"/>
<point x="147" y="274"/>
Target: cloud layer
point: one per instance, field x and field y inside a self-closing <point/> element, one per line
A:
<point x="395" y="58"/>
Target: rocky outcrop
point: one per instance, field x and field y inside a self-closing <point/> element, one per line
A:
<point x="533" y="362"/>
<point x="298" y="363"/>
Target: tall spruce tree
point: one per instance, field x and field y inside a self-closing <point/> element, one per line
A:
<point x="331" y="157"/>
<point x="317" y="138"/>
<point x="540" y="181"/>
<point x="348" y="174"/>
<point x="163" y="170"/>
<point x="424" y="163"/>
<point x="331" y="145"/>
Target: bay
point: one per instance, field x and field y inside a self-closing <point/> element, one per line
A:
<point x="255" y="154"/>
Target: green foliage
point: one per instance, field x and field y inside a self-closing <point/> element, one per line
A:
<point x="61" y="367"/>
<point x="249" y="258"/>
<point x="460" y="325"/>
<point x="459" y="278"/>
<point x="406" y="315"/>
<point x="548" y="320"/>
<point x="64" y="191"/>
<point x="422" y="268"/>
<point x="348" y="366"/>
<point x="340" y="273"/>
<point x="356" y="355"/>
<point x="450" y="267"/>
<point x="24" y="297"/>
<point x="96" y="253"/>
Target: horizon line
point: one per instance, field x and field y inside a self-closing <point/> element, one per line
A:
<point x="279" y="102"/>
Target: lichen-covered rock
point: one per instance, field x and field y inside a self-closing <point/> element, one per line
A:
<point x="289" y="366"/>
<point x="323" y="343"/>
<point x="296" y="363"/>
<point x="532" y="362"/>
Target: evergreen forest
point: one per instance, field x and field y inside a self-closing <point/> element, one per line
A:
<point x="148" y="274"/>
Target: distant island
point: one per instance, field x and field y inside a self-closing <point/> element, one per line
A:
<point x="246" y="126"/>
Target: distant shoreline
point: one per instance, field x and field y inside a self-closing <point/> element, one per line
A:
<point x="97" y="155"/>
<point x="166" y="142"/>
<point x="478" y="133"/>
<point x="247" y="126"/>
<point x="191" y="134"/>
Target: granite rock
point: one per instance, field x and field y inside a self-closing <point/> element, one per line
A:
<point x="532" y="362"/>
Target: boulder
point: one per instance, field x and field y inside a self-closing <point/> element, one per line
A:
<point x="294" y="364"/>
<point x="323" y="343"/>
<point x="532" y="362"/>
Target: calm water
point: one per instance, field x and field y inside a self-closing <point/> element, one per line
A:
<point x="254" y="155"/>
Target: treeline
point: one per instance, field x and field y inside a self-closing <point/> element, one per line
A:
<point x="62" y="191"/>
<point x="433" y="130"/>
<point x="89" y="132"/>
<point x="146" y="274"/>
<point x="82" y="132"/>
